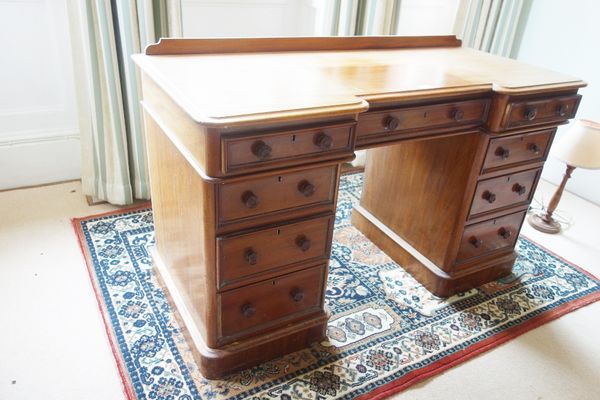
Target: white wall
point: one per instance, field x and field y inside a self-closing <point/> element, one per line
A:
<point x="249" y="18"/>
<point x="564" y="36"/>
<point x="39" y="138"/>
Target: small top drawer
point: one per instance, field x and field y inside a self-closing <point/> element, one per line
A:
<point x="282" y="148"/>
<point x="510" y="150"/>
<point x="534" y="112"/>
<point x="504" y="191"/>
<point x="247" y="254"/>
<point x="254" y="197"/>
<point x="269" y="303"/>
<point x="427" y="116"/>
<point x="487" y="236"/>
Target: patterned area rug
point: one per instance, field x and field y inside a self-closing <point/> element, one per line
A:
<point x="386" y="331"/>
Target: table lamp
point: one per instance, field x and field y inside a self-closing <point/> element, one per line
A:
<point x="579" y="148"/>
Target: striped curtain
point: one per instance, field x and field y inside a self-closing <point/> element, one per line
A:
<point x="104" y="36"/>
<point x="364" y="17"/>
<point x="494" y="26"/>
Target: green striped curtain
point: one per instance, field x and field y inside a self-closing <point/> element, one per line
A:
<point x="494" y="26"/>
<point x="104" y="36"/>
<point x="365" y="17"/>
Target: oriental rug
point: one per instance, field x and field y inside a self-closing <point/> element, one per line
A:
<point x="386" y="331"/>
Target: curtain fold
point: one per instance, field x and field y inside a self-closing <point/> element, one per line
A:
<point x="494" y="26"/>
<point x="104" y="36"/>
<point x="365" y="17"/>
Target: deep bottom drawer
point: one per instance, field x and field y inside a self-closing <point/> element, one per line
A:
<point x="271" y="302"/>
<point x="488" y="236"/>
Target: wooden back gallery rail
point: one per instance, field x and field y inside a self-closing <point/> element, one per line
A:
<point x="245" y="140"/>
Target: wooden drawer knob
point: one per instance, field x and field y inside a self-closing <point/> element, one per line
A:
<point x="248" y="310"/>
<point x="261" y="150"/>
<point x="561" y="110"/>
<point x="502" y="152"/>
<point x="323" y="141"/>
<point x="251" y="256"/>
<point x="303" y="242"/>
<point x="297" y="294"/>
<point x="458" y="114"/>
<point x="504" y="233"/>
<point x="249" y="199"/>
<point x="489" y="196"/>
<point x="391" y="123"/>
<point x="475" y="242"/>
<point x="534" y="148"/>
<point x="519" y="189"/>
<point x="530" y="113"/>
<point x="306" y="188"/>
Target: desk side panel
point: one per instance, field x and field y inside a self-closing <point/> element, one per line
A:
<point x="183" y="206"/>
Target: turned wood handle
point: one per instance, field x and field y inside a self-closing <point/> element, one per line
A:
<point x="562" y="109"/>
<point x="489" y="196"/>
<point x="502" y="152"/>
<point x="520" y="189"/>
<point x="534" y="148"/>
<point x="323" y="141"/>
<point x="303" y="242"/>
<point x="505" y="233"/>
<point x="248" y="310"/>
<point x="391" y="123"/>
<point x="261" y="150"/>
<point x="251" y="256"/>
<point x="475" y="242"/>
<point x="306" y="188"/>
<point x="458" y="114"/>
<point x="530" y="113"/>
<point x="297" y="294"/>
<point x="249" y="199"/>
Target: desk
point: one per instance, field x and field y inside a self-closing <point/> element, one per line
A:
<point x="245" y="141"/>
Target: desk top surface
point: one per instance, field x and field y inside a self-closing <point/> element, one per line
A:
<point x="237" y="87"/>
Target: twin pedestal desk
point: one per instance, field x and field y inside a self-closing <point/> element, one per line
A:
<point x="246" y="138"/>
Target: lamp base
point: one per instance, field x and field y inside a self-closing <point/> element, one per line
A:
<point x="538" y="222"/>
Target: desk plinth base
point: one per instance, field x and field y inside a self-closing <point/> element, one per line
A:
<point x="215" y="363"/>
<point x="436" y="280"/>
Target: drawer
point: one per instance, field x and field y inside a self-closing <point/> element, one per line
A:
<point x="285" y="147"/>
<point x="259" y="196"/>
<point x="488" y="236"/>
<point x="247" y="254"/>
<point x="272" y="302"/>
<point x="529" y="147"/>
<point x="504" y="191"/>
<point x="428" y="116"/>
<point x="532" y="112"/>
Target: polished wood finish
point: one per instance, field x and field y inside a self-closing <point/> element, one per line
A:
<point x="246" y="139"/>
<point x="504" y="191"/>
<point x="280" y="149"/>
<point x="488" y="236"/>
<point x="246" y="254"/>
<point x="517" y="149"/>
<point x="274" y="302"/>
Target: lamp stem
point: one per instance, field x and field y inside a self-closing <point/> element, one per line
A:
<point x="547" y="217"/>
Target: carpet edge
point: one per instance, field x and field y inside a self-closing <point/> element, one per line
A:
<point x="127" y="385"/>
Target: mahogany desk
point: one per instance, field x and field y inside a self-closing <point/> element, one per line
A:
<point x="245" y="140"/>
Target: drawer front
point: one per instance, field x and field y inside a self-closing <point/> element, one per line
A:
<point x="504" y="191"/>
<point x="532" y="112"/>
<point x="429" y="116"/>
<point x="271" y="302"/>
<point x="259" y="196"/>
<point x="488" y="236"/>
<point x="510" y="150"/>
<point x="277" y="148"/>
<point x="240" y="256"/>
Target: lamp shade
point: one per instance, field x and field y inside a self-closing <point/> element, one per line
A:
<point x="580" y="146"/>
